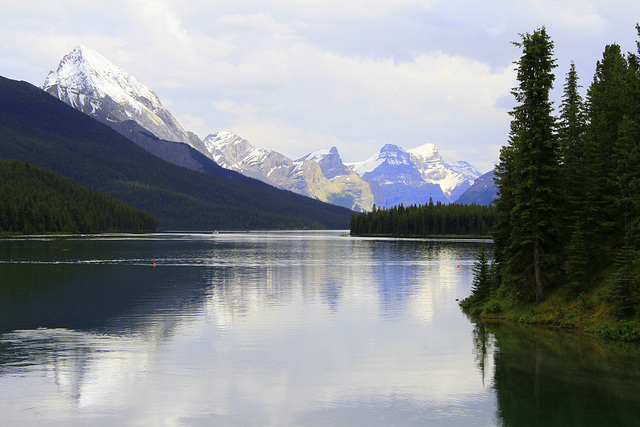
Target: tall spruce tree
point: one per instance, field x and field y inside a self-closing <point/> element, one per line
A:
<point x="571" y="132"/>
<point x="602" y="168"/>
<point x="571" y="128"/>
<point x="529" y="175"/>
<point x="626" y="156"/>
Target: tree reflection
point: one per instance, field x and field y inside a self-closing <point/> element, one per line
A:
<point x="552" y="377"/>
<point x="483" y="346"/>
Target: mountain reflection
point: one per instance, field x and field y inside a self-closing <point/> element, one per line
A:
<point x="246" y="329"/>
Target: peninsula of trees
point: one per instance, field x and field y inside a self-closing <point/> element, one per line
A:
<point x="424" y="221"/>
<point x="567" y="231"/>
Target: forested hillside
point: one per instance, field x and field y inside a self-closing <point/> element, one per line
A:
<point x="42" y="130"/>
<point x="34" y="200"/>
<point x="425" y="220"/>
<point x="567" y="234"/>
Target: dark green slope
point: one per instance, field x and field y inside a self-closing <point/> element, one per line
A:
<point x="35" y="200"/>
<point x="42" y="130"/>
<point x="482" y="192"/>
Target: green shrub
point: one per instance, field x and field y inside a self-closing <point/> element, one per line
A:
<point x="622" y="331"/>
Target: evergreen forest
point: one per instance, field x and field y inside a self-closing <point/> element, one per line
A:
<point x="425" y="220"/>
<point x="34" y="200"/>
<point x="567" y="229"/>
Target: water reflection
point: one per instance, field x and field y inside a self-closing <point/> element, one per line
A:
<point x="554" y="378"/>
<point x="268" y="329"/>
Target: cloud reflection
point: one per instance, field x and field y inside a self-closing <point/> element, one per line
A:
<point x="273" y="340"/>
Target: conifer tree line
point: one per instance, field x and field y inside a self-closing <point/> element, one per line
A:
<point x="34" y="200"/>
<point x="424" y="220"/>
<point x="568" y="206"/>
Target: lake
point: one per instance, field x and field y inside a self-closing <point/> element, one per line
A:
<point x="283" y="329"/>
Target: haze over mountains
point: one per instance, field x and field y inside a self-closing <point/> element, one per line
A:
<point x="89" y="82"/>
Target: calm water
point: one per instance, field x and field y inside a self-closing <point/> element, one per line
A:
<point x="291" y="328"/>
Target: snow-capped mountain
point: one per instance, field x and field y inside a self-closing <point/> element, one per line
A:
<point x="302" y="176"/>
<point x="414" y="176"/>
<point x="89" y="82"/>
<point x="395" y="178"/>
<point x="453" y="179"/>
<point x="329" y="161"/>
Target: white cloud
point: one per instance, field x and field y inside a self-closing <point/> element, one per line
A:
<point x="575" y="14"/>
<point x="336" y="100"/>
<point x="355" y="74"/>
<point x="348" y="9"/>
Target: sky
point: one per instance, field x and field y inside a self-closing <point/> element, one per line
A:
<point x="295" y="76"/>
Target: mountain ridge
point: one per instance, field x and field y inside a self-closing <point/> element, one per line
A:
<point x="45" y="131"/>
<point x="304" y="176"/>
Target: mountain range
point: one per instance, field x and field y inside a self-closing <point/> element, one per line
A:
<point x="42" y="130"/>
<point x="89" y="82"/>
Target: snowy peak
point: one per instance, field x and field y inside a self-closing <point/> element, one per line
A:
<point x="223" y="139"/>
<point x="320" y="154"/>
<point x="393" y="154"/>
<point x="86" y="69"/>
<point x="391" y="163"/>
<point x="233" y="152"/>
<point x="426" y="152"/>
<point x="329" y="161"/>
<point x="91" y="83"/>
<point x="219" y="141"/>
<point x="417" y="170"/>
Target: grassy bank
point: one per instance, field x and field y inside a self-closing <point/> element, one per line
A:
<point x="589" y="312"/>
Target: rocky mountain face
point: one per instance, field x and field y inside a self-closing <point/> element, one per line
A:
<point x="89" y="82"/>
<point x="350" y="184"/>
<point x="390" y="177"/>
<point x="303" y="176"/>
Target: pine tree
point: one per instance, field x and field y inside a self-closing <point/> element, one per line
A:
<point x="608" y="100"/>
<point x="529" y="173"/>
<point x="571" y="128"/>
<point x="504" y="176"/>
<point x="571" y="132"/>
<point x="626" y="155"/>
<point x="482" y="284"/>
